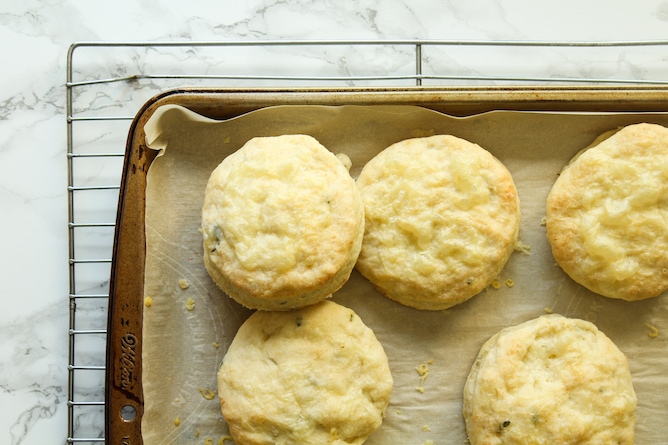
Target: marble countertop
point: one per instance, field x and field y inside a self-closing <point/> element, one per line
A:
<point x="36" y="35"/>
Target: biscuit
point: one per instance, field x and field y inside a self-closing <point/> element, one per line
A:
<point x="607" y="214"/>
<point x="551" y="380"/>
<point x="316" y="375"/>
<point x="442" y="218"/>
<point x="282" y="223"/>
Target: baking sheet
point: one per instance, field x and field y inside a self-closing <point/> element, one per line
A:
<point x="183" y="348"/>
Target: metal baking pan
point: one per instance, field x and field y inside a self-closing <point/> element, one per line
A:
<point x="123" y="392"/>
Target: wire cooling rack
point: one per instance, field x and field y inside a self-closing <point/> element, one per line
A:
<point x="107" y="82"/>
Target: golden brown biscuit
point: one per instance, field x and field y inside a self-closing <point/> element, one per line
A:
<point x="607" y="214"/>
<point x="282" y="223"/>
<point x="317" y="375"/>
<point x="442" y="218"/>
<point x="551" y="380"/>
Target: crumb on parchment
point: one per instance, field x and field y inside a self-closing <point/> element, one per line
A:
<point x="499" y="282"/>
<point x="523" y="248"/>
<point x="421" y="133"/>
<point x="345" y="160"/>
<point x="653" y="331"/>
<point x="183" y="283"/>
<point x="423" y="370"/>
<point x="207" y="393"/>
<point x="148" y="301"/>
<point x="190" y="304"/>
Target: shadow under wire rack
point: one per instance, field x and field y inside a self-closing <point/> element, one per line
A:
<point x="107" y="82"/>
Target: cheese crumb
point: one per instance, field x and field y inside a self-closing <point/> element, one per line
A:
<point x="547" y="310"/>
<point x="509" y="283"/>
<point x="222" y="440"/>
<point x="543" y="221"/>
<point x="428" y="442"/>
<point x="183" y="283"/>
<point x="495" y="284"/>
<point x="207" y="393"/>
<point x="419" y="133"/>
<point x="216" y="344"/>
<point x="523" y="248"/>
<point x="653" y="331"/>
<point x="333" y="435"/>
<point x="208" y="441"/>
<point x="148" y="301"/>
<point x="177" y="421"/>
<point x="190" y="304"/>
<point x="345" y="160"/>
<point x="425" y="428"/>
<point x="423" y="370"/>
<point x="197" y="432"/>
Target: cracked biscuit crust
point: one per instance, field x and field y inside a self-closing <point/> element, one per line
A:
<point x="442" y="218"/>
<point x="607" y="214"/>
<point x="551" y="380"/>
<point x="316" y="375"/>
<point x="282" y="223"/>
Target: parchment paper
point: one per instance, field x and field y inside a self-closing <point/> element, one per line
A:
<point x="183" y="348"/>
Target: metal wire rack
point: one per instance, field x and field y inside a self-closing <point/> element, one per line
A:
<point x="107" y="82"/>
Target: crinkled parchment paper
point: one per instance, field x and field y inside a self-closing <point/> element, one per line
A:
<point x="183" y="348"/>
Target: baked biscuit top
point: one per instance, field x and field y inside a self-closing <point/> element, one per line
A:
<point x="442" y="218"/>
<point x="316" y="375"/>
<point x="550" y="380"/>
<point x="607" y="214"/>
<point x="280" y="216"/>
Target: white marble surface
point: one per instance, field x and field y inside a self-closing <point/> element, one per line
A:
<point x="35" y="36"/>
